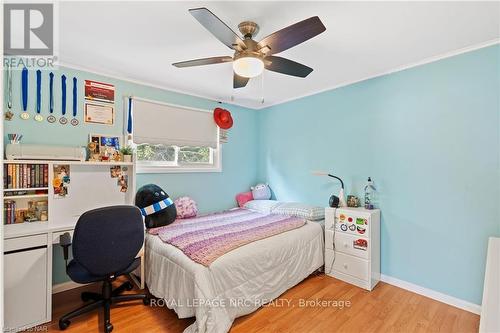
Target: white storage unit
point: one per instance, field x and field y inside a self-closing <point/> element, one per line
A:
<point x="28" y="246"/>
<point x="352" y="245"/>
<point x="26" y="284"/>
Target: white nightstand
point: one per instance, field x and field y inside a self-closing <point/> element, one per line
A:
<point x="352" y="245"/>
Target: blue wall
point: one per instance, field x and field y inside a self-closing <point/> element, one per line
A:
<point x="429" y="137"/>
<point x="212" y="191"/>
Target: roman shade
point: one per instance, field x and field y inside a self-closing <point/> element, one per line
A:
<point x="159" y="123"/>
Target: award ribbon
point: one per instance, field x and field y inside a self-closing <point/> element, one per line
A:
<point x="51" y="118"/>
<point x="129" y="122"/>
<point x="38" y="116"/>
<point x="9" y="114"/>
<point x="63" y="120"/>
<point x="24" y="88"/>
<point x="74" y="121"/>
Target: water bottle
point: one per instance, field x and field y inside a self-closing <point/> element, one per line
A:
<point x="369" y="194"/>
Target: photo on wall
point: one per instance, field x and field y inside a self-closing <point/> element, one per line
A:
<point x="61" y="180"/>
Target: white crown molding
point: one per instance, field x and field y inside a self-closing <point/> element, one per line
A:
<point x="435" y="295"/>
<point x="333" y="87"/>
<point x="397" y="69"/>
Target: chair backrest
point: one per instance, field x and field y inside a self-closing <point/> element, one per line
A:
<point x="106" y="240"/>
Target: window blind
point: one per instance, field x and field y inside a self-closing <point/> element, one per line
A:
<point x="158" y="123"/>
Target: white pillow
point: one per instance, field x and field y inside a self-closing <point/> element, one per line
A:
<point x="308" y="212"/>
<point x="262" y="206"/>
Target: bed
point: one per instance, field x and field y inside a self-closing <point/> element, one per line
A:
<point x="236" y="283"/>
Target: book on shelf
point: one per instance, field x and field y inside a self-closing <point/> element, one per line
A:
<point x="9" y="212"/>
<point x="25" y="175"/>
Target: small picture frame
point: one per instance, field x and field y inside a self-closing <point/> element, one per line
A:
<point x="104" y="147"/>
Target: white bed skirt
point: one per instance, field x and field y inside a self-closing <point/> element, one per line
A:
<point x="235" y="284"/>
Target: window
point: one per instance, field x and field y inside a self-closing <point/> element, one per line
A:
<point x="170" y="138"/>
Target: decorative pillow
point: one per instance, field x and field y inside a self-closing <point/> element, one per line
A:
<point x="186" y="207"/>
<point x="243" y="198"/>
<point x="262" y="206"/>
<point x="308" y="212"/>
<point x="261" y="192"/>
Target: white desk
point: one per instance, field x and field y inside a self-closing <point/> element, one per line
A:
<point x="28" y="272"/>
<point x="28" y="246"/>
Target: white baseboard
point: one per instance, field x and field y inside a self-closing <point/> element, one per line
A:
<point x="436" y="295"/>
<point x="60" y="287"/>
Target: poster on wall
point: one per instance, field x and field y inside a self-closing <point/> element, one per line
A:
<point x="99" y="103"/>
<point x="61" y="181"/>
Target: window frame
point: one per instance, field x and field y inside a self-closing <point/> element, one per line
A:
<point x="144" y="167"/>
<point x="175" y="167"/>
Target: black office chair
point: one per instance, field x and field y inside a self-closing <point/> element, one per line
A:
<point x="105" y="245"/>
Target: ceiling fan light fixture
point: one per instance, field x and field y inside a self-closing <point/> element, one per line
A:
<point x="248" y="66"/>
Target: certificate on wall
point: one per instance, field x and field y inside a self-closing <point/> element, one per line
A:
<point x="99" y="103"/>
<point x="98" y="91"/>
<point x="99" y="113"/>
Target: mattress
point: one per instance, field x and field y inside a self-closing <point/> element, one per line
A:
<point x="235" y="284"/>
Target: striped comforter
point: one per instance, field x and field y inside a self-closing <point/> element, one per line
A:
<point x="206" y="238"/>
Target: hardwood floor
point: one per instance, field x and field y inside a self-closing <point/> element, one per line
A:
<point x="385" y="309"/>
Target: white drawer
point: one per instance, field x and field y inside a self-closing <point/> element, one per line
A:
<point x="56" y="235"/>
<point x="19" y="243"/>
<point x="353" y="245"/>
<point x="350" y="265"/>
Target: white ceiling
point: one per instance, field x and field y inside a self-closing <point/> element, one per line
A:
<point x="140" y="40"/>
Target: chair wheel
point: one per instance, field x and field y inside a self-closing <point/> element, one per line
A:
<point x="63" y="324"/>
<point x="146" y="300"/>
<point x="129" y="286"/>
<point x="109" y="328"/>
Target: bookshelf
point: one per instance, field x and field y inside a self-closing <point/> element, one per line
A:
<point x="31" y="200"/>
<point x="26" y="190"/>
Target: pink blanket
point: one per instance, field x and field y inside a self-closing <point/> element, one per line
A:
<point x="206" y="238"/>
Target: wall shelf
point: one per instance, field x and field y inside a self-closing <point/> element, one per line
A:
<point x="25" y="196"/>
<point x="96" y="163"/>
<point x="25" y="189"/>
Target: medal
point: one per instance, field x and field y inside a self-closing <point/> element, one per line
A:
<point x="9" y="114"/>
<point x="38" y="116"/>
<point x="24" y="86"/>
<point x="51" y="118"/>
<point x="74" y="121"/>
<point x="63" y="120"/>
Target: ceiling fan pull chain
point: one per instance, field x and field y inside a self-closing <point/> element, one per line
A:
<point x="262" y="88"/>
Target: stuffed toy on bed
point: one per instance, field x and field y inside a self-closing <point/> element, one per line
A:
<point x="261" y="192"/>
<point x="155" y="205"/>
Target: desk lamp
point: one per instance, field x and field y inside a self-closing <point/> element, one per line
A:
<point x="334" y="200"/>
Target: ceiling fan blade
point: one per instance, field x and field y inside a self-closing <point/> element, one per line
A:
<point x="287" y="66"/>
<point x="239" y="81"/>
<point x="218" y="28"/>
<point x="203" y="61"/>
<point x="292" y="35"/>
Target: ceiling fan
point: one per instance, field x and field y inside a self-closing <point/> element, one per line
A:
<point x="251" y="57"/>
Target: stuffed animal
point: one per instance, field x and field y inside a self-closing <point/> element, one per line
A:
<point x="261" y="192"/>
<point x="155" y="205"/>
<point x="186" y="207"/>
